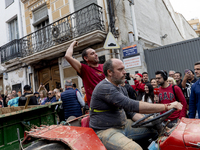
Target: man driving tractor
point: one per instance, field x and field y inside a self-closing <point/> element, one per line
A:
<point x="108" y="107"/>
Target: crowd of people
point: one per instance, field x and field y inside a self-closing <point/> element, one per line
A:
<point x="171" y="88"/>
<point x="73" y="100"/>
<point x="114" y="104"/>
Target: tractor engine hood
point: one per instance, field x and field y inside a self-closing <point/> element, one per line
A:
<point x="191" y="134"/>
<point x="184" y="136"/>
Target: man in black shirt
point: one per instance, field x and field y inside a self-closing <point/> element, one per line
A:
<point x="22" y="99"/>
<point x="178" y="78"/>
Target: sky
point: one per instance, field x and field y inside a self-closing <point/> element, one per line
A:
<point x="188" y="8"/>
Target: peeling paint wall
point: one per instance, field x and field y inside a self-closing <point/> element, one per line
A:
<point x="15" y="77"/>
<point x="154" y="18"/>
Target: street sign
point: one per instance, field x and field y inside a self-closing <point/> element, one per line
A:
<point x="132" y="62"/>
<point x="110" y="42"/>
<point x="130" y="50"/>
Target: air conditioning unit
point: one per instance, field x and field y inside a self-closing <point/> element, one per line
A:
<point x="59" y="36"/>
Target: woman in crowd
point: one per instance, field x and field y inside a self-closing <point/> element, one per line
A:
<point x="149" y="95"/>
<point x="154" y="83"/>
<point x="171" y="81"/>
<point x="43" y="97"/>
<point x="139" y="85"/>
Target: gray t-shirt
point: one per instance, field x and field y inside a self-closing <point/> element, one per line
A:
<point x="107" y="96"/>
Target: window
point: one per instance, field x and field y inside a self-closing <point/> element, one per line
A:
<point x="17" y="87"/>
<point x="8" y="2"/>
<point x="13" y="29"/>
<point x="194" y="27"/>
<point x="13" y="49"/>
<point x="41" y="19"/>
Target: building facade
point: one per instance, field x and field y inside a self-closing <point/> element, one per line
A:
<point x="195" y="25"/>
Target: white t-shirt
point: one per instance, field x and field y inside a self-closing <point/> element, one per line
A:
<point x="148" y="99"/>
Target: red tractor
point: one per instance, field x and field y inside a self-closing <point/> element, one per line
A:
<point x="183" y="136"/>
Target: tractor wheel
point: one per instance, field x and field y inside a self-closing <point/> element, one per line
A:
<point x="47" y="145"/>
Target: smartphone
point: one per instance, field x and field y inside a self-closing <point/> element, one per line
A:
<point x="136" y="72"/>
<point x="186" y="71"/>
<point x="127" y="77"/>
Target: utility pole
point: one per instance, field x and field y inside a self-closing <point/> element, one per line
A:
<point x="131" y="3"/>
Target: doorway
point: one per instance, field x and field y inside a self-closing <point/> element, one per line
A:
<point x="50" y="78"/>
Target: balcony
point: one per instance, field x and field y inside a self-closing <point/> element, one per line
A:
<point x="73" y="26"/>
<point x="10" y="50"/>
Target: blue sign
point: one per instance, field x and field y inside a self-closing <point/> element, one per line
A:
<point x="130" y="50"/>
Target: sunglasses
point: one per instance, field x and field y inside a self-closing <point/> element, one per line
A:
<point x="49" y="93"/>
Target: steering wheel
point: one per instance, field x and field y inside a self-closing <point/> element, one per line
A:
<point x="154" y="121"/>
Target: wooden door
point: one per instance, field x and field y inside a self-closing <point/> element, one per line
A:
<point x="50" y="77"/>
<point x="55" y="77"/>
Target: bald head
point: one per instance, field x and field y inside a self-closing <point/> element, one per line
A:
<point x="110" y="64"/>
<point x="116" y="62"/>
<point x="114" y="71"/>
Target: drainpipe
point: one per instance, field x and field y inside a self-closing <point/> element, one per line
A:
<point x="131" y="3"/>
<point x="20" y="13"/>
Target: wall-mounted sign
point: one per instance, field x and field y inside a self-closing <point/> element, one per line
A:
<point x="130" y="50"/>
<point x="132" y="62"/>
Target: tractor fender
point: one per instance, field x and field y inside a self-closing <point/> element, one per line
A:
<point x="74" y="137"/>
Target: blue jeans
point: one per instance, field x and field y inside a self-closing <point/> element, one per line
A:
<point x="123" y="139"/>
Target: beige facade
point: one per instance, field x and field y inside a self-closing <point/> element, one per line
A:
<point x="57" y="9"/>
<point x="48" y="60"/>
<point x="195" y="25"/>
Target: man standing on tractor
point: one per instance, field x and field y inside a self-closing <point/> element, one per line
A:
<point x="108" y="106"/>
<point x="92" y="73"/>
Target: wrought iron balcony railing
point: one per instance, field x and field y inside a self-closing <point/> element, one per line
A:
<point x="81" y="22"/>
<point x="10" y="50"/>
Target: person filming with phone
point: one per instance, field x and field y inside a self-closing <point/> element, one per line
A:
<point x="187" y="83"/>
<point x="139" y="85"/>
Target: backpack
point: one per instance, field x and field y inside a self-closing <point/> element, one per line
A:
<point x="175" y="93"/>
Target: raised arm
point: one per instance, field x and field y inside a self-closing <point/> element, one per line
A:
<point x="73" y="62"/>
<point x="39" y="88"/>
<point x="185" y="80"/>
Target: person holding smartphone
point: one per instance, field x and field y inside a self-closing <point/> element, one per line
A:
<point x="187" y="83"/>
<point x="139" y="85"/>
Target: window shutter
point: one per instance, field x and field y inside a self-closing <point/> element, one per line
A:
<point x="40" y="14"/>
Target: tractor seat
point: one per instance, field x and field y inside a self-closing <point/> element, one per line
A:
<point x="85" y="121"/>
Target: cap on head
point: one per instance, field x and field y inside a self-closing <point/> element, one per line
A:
<point x="140" y="75"/>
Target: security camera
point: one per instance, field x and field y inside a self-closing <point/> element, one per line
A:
<point x="164" y="36"/>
